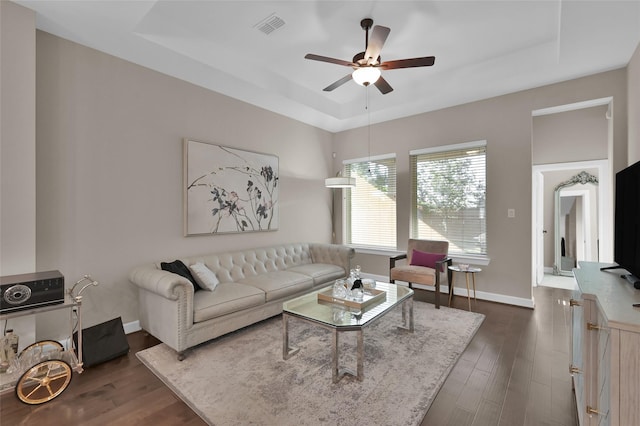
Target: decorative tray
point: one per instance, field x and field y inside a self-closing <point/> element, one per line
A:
<point x="371" y="297"/>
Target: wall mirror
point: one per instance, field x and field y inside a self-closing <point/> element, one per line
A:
<point x="575" y="222"/>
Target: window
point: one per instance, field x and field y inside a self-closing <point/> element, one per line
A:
<point x="449" y="195"/>
<point x="370" y="207"/>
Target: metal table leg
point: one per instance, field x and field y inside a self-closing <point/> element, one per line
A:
<point x="287" y="351"/>
<point x="336" y="376"/>
<point x="407" y="305"/>
<point x="360" y="361"/>
<point x="337" y="372"/>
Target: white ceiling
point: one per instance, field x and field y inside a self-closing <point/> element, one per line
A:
<point x="482" y="48"/>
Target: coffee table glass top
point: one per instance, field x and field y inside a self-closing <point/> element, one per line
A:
<point x="336" y="315"/>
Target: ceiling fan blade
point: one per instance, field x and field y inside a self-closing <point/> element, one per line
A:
<point x="376" y="41"/>
<point x="327" y="59"/>
<point x="338" y="83"/>
<point x="383" y="86"/>
<point x="427" y="61"/>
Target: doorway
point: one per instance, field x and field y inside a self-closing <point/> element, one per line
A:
<point x="586" y="218"/>
<point x="570" y="139"/>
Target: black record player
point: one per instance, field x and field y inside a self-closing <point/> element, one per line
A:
<point x="28" y="291"/>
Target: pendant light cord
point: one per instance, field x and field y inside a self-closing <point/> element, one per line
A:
<point x="368" y="130"/>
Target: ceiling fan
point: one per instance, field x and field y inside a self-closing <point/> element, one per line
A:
<point x="367" y="64"/>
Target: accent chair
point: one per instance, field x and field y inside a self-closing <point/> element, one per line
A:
<point x="426" y="261"/>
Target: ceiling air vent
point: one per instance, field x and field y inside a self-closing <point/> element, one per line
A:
<point x="270" y="24"/>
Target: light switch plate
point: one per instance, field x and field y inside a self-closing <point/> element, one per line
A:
<point x="511" y="212"/>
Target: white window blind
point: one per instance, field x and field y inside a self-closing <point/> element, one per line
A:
<point x="370" y="207"/>
<point x="449" y="195"/>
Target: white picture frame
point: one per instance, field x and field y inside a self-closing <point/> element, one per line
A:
<point x="228" y="190"/>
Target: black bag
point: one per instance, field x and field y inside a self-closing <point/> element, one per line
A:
<point x="102" y="342"/>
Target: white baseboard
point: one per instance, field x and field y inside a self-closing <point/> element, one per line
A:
<point x="457" y="291"/>
<point x="131" y="327"/>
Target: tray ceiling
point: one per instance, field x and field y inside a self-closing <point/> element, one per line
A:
<point x="254" y="50"/>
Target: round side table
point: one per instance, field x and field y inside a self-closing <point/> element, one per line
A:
<point x="470" y="271"/>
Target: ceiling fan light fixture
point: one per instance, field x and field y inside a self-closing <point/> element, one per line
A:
<point x="366" y="75"/>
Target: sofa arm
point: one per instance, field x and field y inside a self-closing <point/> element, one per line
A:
<point x="165" y="305"/>
<point x="335" y="254"/>
<point x="160" y="282"/>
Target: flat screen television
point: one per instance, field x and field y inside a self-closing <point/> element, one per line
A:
<point x="627" y="222"/>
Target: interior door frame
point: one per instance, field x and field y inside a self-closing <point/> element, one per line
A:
<point x="605" y="190"/>
<point x="605" y="211"/>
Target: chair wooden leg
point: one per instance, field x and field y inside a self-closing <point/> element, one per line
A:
<point x="437" y="295"/>
<point x="437" y="284"/>
<point x="450" y="289"/>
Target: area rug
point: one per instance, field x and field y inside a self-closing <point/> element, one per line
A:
<point x="241" y="378"/>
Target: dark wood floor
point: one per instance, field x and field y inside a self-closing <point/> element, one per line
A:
<point x="514" y="372"/>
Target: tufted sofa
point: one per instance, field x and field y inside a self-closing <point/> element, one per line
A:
<point x="252" y="285"/>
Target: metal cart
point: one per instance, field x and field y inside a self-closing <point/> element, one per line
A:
<point x="43" y="370"/>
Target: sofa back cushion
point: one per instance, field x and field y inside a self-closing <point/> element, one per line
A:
<point x="235" y="266"/>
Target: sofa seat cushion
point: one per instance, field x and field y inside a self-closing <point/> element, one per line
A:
<point x="225" y="299"/>
<point x="408" y="273"/>
<point x="320" y="272"/>
<point x="279" y="284"/>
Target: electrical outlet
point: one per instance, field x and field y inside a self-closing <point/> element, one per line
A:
<point x="511" y="213"/>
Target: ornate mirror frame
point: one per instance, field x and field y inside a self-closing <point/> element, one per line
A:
<point x="581" y="178"/>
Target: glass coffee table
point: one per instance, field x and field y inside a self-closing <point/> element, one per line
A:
<point x="338" y="318"/>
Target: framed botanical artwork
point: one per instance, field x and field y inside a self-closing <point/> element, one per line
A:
<point x="228" y="190"/>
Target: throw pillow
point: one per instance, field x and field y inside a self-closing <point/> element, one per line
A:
<point x="421" y="258"/>
<point x="178" y="267"/>
<point x="204" y="276"/>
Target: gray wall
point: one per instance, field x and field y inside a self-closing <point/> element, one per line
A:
<point x="579" y="135"/>
<point x="17" y="140"/>
<point x="506" y="123"/>
<point x="109" y="166"/>
<point x="633" y="89"/>
<point x="110" y="169"/>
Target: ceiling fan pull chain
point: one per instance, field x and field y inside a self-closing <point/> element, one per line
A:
<point x="368" y="130"/>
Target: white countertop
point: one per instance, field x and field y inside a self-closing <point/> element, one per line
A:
<point x="614" y="294"/>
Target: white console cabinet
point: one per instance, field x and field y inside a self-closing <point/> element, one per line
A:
<point x="605" y="347"/>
